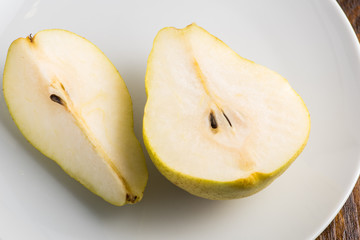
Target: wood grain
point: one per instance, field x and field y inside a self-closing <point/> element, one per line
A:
<point x="346" y="223"/>
<point x="352" y="11"/>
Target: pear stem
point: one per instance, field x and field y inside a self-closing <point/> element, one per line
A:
<point x="30" y="37"/>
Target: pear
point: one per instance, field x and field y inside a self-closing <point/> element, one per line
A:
<point x="70" y="103"/>
<point x="215" y="124"/>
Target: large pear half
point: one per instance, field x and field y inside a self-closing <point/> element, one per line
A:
<point x="216" y="124"/>
<point x="70" y="102"/>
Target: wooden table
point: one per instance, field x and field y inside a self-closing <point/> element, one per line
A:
<point x="346" y="223"/>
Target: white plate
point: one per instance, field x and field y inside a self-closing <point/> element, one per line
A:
<point x="309" y="42"/>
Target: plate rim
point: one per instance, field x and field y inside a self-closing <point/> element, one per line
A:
<point x="340" y="17"/>
<point x="356" y="46"/>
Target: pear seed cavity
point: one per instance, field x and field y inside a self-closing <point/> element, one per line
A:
<point x="56" y="99"/>
<point x="212" y="119"/>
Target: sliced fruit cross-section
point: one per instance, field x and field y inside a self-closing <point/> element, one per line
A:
<point x="216" y="124"/>
<point x="70" y="102"/>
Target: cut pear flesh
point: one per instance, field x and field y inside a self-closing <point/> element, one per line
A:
<point x="216" y="124"/>
<point x="70" y="102"/>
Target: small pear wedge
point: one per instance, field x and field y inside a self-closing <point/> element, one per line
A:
<point x="215" y="124"/>
<point x="70" y="103"/>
